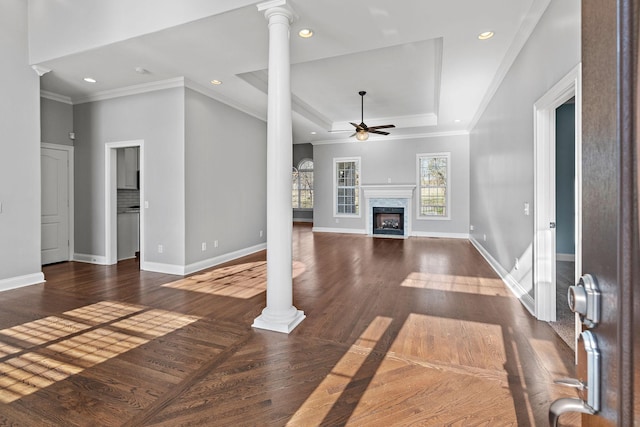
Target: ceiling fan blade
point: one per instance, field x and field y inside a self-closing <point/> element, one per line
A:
<point x="352" y="135"/>
<point x="378" y="132"/>
<point x="361" y="126"/>
<point x="340" y="131"/>
<point x="382" y="127"/>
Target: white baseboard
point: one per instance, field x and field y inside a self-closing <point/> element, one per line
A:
<point x="183" y="270"/>
<point x="302" y="219"/>
<point x="441" y="235"/>
<point x="506" y="277"/>
<point x="338" y="230"/>
<point x="91" y="259"/>
<point x="20" y="281"/>
<point x="159" y="267"/>
<point x="565" y="257"/>
<point x="212" y="262"/>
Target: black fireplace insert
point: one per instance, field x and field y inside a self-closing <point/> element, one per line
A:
<point x="389" y="221"/>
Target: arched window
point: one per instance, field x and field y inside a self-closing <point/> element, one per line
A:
<point x="302" y="185"/>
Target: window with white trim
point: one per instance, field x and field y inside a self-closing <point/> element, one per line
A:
<point x="434" y="190"/>
<point x="346" y="180"/>
<point x="302" y="185"/>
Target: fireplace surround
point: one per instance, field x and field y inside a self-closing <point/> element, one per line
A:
<point x="393" y="202"/>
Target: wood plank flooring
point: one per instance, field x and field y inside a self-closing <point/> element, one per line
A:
<point x="398" y="332"/>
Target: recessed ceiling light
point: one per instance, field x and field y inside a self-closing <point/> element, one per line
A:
<point x="457" y="121"/>
<point x="314" y="132"/>
<point x="486" y="35"/>
<point x="305" y="33"/>
<point x="216" y="82"/>
<point x="89" y="80"/>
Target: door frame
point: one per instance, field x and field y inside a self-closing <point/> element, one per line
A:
<point x="70" y="190"/>
<point x="544" y="253"/>
<point x="111" y="201"/>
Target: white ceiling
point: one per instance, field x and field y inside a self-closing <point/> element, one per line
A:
<point x="420" y="62"/>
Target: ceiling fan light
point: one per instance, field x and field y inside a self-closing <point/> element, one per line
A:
<point x="362" y="135"/>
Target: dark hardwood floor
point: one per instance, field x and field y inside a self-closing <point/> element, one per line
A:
<point x="398" y="332"/>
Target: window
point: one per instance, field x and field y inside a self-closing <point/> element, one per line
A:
<point x="302" y="186"/>
<point x="346" y="175"/>
<point x="433" y="185"/>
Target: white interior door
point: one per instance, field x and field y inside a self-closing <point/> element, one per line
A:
<point x="55" y="205"/>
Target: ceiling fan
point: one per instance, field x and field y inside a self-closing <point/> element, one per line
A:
<point x="362" y="130"/>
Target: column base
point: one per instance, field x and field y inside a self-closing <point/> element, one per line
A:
<point x="284" y="326"/>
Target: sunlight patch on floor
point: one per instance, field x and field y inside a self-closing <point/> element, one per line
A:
<point x="73" y="347"/>
<point x="320" y="402"/>
<point x="237" y="281"/>
<point x="478" y="345"/>
<point x="452" y="283"/>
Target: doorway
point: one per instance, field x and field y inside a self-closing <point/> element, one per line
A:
<point x="111" y="197"/>
<point x="545" y="219"/>
<point x="56" y="165"/>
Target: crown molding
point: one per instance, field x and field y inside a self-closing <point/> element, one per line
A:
<point x="391" y="137"/>
<point x="411" y="121"/>
<point x="223" y="99"/>
<point x="131" y="90"/>
<point x="55" y="97"/>
<point x="524" y="32"/>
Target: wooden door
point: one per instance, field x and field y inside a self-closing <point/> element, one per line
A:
<point x="54" y="165"/>
<point x="610" y="200"/>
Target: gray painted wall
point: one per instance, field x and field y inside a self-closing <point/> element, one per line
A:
<point x="382" y="160"/>
<point x="56" y="121"/>
<point x="226" y="188"/>
<point x="20" y="141"/>
<point x="565" y="179"/>
<point x="302" y="151"/>
<point x="502" y="148"/>
<point x="158" y="119"/>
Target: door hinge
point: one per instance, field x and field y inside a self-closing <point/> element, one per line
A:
<point x="552" y="224"/>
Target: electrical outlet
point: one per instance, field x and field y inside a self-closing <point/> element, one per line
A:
<point x="517" y="266"/>
<point x="484" y="236"/>
<point x="261" y="233"/>
<point x="204" y="246"/>
<point x="337" y="220"/>
<point x="160" y="249"/>
<point x="471" y="227"/>
<point x="526" y="209"/>
<point x="215" y="243"/>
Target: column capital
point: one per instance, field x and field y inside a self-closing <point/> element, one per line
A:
<point x="277" y="7"/>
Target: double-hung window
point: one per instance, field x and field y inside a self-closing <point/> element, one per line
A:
<point x="302" y="185"/>
<point x="434" y="191"/>
<point x="346" y="185"/>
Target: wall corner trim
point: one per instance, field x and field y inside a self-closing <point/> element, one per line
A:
<point x="338" y="230"/>
<point x="90" y="259"/>
<point x="506" y="277"/>
<point x="212" y="262"/>
<point x="20" y="281"/>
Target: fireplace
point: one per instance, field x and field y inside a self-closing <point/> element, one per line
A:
<point x="388" y="221"/>
<point x="393" y="201"/>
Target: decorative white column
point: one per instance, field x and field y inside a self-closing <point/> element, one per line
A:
<point x="279" y="315"/>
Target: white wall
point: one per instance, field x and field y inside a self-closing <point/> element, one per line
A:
<point x="56" y="121"/>
<point x="502" y="169"/>
<point x="20" y="160"/>
<point x="59" y="28"/>
<point x="382" y="160"/>
<point x="225" y="154"/>
<point x="158" y="119"/>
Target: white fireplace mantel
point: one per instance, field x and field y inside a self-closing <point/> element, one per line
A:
<point x="388" y="191"/>
<point x="399" y="195"/>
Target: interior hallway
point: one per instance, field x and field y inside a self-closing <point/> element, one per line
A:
<point x="398" y="332"/>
